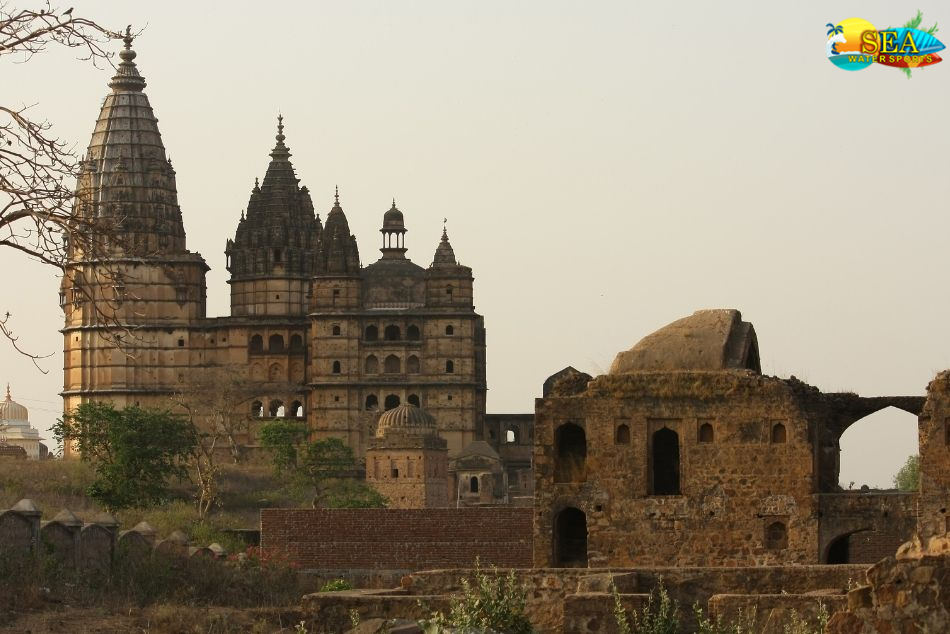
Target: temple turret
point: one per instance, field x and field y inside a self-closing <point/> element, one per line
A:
<point x="271" y="256"/>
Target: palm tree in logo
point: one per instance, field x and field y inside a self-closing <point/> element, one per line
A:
<point x="836" y="35"/>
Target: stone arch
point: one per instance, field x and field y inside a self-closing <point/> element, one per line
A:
<point x="371" y="365"/>
<point x="512" y="434"/>
<point x="412" y="333"/>
<point x="275" y="343"/>
<point x="372" y="403"/>
<point x="570" y="538"/>
<point x="392" y="400"/>
<point x="296" y="409"/>
<point x="895" y="435"/>
<point x="779" y="435"/>
<point x="335" y="330"/>
<point x="392" y="333"/>
<point x="449" y="330"/>
<point x="276" y="407"/>
<point x="665" y="467"/>
<point x="256" y="344"/>
<point x="473" y="484"/>
<point x="392" y="365"/>
<point x="570" y="450"/>
<point x="257" y="409"/>
<point x="622" y="434"/>
<point x="706" y="433"/>
<point x="449" y="366"/>
<point x="838" y="550"/>
<point x="412" y="364"/>
<point x="371" y="333"/>
<point x="776" y="536"/>
<point x="337" y="367"/>
<point x="413" y="400"/>
<point x="296" y="343"/>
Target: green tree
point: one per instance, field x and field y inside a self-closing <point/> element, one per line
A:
<point x="331" y="466"/>
<point x="908" y="476"/>
<point x="134" y="451"/>
<point x="281" y="438"/>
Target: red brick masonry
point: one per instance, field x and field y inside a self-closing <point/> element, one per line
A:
<point x="387" y="539"/>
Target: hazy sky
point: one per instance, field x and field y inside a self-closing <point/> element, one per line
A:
<point x="605" y="168"/>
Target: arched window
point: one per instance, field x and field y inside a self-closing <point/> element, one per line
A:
<point x="705" y="433"/>
<point x="570" y="448"/>
<point x="570" y="539"/>
<point x="473" y="484"/>
<point x="296" y="342"/>
<point x="414" y="400"/>
<point x="778" y="433"/>
<point x="336" y="367"/>
<point x="448" y="291"/>
<point x="275" y="343"/>
<point x="412" y="333"/>
<point x="412" y="364"/>
<point x="274" y="372"/>
<point x="666" y="462"/>
<point x="392" y="365"/>
<point x="371" y="366"/>
<point x="281" y="411"/>
<point x="336" y="330"/>
<point x="274" y="407"/>
<point x="392" y="333"/>
<point x="257" y="344"/>
<point x="449" y="367"/>
<point x="372" y="403"/>
<point x="449" y="330"/>
<point x="296" y="409"/>
<point x="372" y="333"/>
<point x="776" y="536"/>
<point x="257" y="409"/>
<point x="392" y="401"/>
<point x="622" y="435"/>
<point x="511" y="436"/>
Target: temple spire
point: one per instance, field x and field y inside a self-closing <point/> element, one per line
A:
<point x="8" y="392"/>
<point x="444" y="254"/>
<point x="127" y="78"/>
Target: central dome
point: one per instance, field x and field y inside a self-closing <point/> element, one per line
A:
<point x="10" y="410"/>
<point x="407" y="418"/>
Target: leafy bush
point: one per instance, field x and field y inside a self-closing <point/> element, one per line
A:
<point x="661" y="614"/>
<point x="797" y="624"/>
<point x="337" y="585"/>
<point x="489" y="601"/>
<point x="744" y="623"/>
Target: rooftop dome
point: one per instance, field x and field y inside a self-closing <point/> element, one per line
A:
<point x="707" y="340"/>
<point x="407" y="418"/>
<point x="393" y="219"/>
<point x="11" y="410"/>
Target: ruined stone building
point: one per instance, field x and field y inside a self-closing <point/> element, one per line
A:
<point x="320" y="336"/>
<point x="685" y="454"/>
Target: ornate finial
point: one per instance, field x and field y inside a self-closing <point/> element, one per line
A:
<point x="128" y="37"/>
<point x="445" y="233"/>
<point x="127" y="76"/>
<point x="394" y="203"/>
<point x="280" y="128"/>
<point x="242" y="214"/>
<point x="8" y="392"/>
<point x="336" y="196"/>
<point x="257" y="184"/>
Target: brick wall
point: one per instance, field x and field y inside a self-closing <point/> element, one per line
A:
<point x="399" y="539"/>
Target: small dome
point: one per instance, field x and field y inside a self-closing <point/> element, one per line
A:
<point x="408" y="418"/>
<point x="11" y="410"/>
<point x="393" y="220"/>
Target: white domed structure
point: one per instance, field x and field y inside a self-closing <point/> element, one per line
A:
<point x="15" y="429"/>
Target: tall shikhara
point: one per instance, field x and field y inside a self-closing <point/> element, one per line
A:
<point x="129" y="301"/>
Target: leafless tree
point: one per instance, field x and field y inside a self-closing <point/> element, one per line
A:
<point x="38" y="170"/>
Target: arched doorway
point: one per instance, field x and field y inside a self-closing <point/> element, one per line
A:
<point x="666" y="462"/>
<point x="570" y="539"/>
<point x="839" y="551"/>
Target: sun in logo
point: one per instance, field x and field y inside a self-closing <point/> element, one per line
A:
<point x="844" y="44"/>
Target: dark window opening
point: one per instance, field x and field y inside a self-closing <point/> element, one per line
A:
<point x="473" y="484"/>
<point x="336" y="367"/>
<point x="391" y="401"/>
<point x="372" y="333"/>
<point x="414" y="400"/>
<point x="275" y="343"/>
<point x="257" y="344"/>
<point x="276" y="408"/>
<point x="778" y="433"/>
<point x="392" y="333"/>
<point x="839" y="551"/>
<point x="449" y="330"/>
<point x="448" y="291"/>
<point x="257" y="409"/>
<point x="392" y="365"/>
<point x="570" y="539"/>
<point x="296" y="342"/>
<point x="570" y="447"/>
<point x="449" y="367"/>
<point x="394" y="473"/>
<point x="705" y="433"/>
<point x="296" y="409"/>
<point x="622" y="437"/>
<point x="181" y="342"/>
<point x="666" y="462"/>
<point x="776" y="536"/>
<point x="277" y="255"/>
<point x="336" y="330"/>
<point x="412" y="333"/>
<point x="372" y="403"/>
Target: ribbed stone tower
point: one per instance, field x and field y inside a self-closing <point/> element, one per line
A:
<point x="138" y="286"/>
<point x="271" y="256"/>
